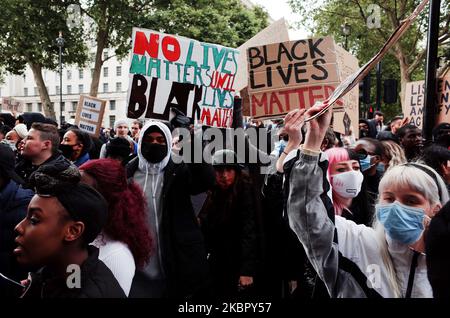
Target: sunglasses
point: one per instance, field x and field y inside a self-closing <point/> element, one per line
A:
<point x="362" y="154"/>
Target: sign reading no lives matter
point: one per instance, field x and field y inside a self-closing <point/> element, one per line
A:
<point x="171" y="71"/>
<point x="89" y="115"/>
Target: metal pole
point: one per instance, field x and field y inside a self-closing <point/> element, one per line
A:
<point x="430" y="108"/>
<point x="60" y="86"/>
<point x="378" y="101"/>
<point x="60" y="43"/>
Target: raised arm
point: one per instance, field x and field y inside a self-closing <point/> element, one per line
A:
<point x="306" y="205"/>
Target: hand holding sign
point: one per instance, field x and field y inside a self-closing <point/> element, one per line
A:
<point x="319" y="121"/>
<point x="293" y="123"/>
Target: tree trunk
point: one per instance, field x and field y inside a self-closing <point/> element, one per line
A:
<point x="102" y="40"/>
<point x="101" y="43"/>
<point x="43" y="93"/>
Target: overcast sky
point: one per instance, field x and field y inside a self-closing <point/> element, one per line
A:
<point x="280" y="8"/>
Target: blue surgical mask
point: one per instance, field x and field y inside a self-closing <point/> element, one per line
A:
<point x="279" y="146"/>
<point x="401" y="222"/>
<point x="366" y="163"/>
<point x="381" y="168"/>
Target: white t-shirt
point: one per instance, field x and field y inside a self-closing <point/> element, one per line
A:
<point x="118" y="258"/>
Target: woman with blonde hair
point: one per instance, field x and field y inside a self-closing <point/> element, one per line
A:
<point x="386" y="260"/>
<point x="393" y="154"/>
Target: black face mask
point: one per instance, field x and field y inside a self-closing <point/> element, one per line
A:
<point x="153" y="152"/>
<point x="67" y="150"/>
<point x="363" y="133"/>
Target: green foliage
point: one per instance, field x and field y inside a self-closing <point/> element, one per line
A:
<point x="405" y="62"/>
<point x="30" y="32"/>
<point x="225" y="22"/>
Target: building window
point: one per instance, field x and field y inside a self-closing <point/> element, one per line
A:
<point x="112" y="119"/>
<point x="63" y="106"/>
<point x="80" y="88"/>
<point x="29" y="107"/>
<point x="35" y="91"/>
<point x="81" y="73"/>
<point x="74" y="106"/>
<point x="57" y="90"/>
<point x="119" y="70"/>
<point x="69" y="89"/>
<point x="25" y="91"/>
<point x="105" y="72"/>
<point x="39" y="107"/>
<point x="69" y="74"/>
<point x="105" y="87"/>
<point x="118" y="87"/>
<point x="112" y="105"/>
<point x="105" y="55"/>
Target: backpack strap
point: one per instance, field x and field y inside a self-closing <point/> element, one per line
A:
<point x="350" y="267"/>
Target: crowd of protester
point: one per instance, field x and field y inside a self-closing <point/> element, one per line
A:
<point x="327" y="214"/>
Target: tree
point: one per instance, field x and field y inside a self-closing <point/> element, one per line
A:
<point x="28" y="37"/>
<point x="405" y="60"/>
<point x="225" y="22"/>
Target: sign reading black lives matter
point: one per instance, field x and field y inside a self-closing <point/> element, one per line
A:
<point x="296" y="74"/>
<point x="89" y="115"/>
<point x="170" y="71"/>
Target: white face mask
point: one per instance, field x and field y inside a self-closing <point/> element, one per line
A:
<point x="347" y="184"/>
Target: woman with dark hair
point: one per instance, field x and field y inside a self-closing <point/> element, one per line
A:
<point x="125" y="242"/>
<point x="228" y="220"/>
<point x="63" y="217"/>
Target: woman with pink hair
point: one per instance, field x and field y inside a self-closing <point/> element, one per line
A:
<point x="125" y="242"/>
<point x="346" y="182"/>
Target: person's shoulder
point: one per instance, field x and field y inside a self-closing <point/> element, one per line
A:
<point x="113" y="248"/>
<point x="99" y="282"/>
<point x="132" y="166"/>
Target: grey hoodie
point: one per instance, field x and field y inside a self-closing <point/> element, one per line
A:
<point x="150" y="176"/>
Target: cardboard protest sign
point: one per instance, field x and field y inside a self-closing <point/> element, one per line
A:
<point x="171" y="71"/>
<point x="297" y="74"/>
<point x="274" y="33"/>
<point x="12" y="104"/>
<point x="89" y="115"/>
<point x="443" y="100"/>
<point x="415" y="97"/>
<point x="413" y="104"/>
<point x="350" y="82"/>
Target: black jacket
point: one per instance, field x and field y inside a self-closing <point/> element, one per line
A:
<point x="183" y="248"/>
<point x="96" y="281"/>
<point x="24" y="168"/>
<point x="13" y="208"/>
<point x="229" y="225"/>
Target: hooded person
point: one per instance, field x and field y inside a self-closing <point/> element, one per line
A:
<point x="178" y="267"/>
